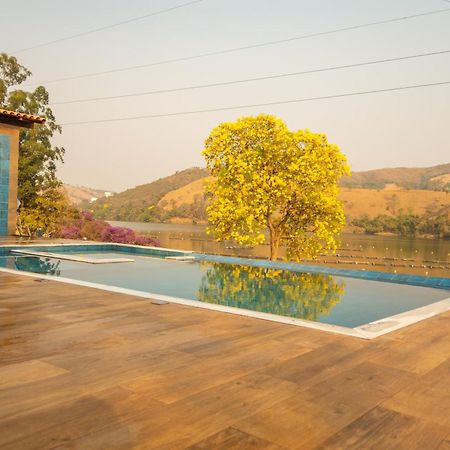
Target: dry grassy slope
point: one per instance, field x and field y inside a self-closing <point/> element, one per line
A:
<point x="79" y="194"/>
<point x="184" y="195"/>
<point x="373" y="202"/>
<point x="151" y="193"/>
<point x="407" y="177"/>
<point x="357" y="201"/>
<point x="443" y="179"/>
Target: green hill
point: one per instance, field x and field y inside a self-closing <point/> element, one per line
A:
<point x="140" y="203"/>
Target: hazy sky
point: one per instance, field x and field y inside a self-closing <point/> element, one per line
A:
<point x="407" y="128"/>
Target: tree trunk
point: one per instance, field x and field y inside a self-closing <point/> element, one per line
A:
<point x="274" y="242"/>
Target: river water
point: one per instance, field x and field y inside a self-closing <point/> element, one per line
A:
<point x="429" y="257"/>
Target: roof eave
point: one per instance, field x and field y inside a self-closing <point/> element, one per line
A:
<point x="19" y="119"/>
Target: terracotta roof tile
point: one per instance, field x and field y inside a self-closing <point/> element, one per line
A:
<point x="27" y="118"/>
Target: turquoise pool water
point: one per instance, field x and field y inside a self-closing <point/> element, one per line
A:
<point x="323" y="298"/>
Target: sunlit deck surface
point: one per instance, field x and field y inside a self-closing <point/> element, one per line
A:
<point x="82" y="368"/>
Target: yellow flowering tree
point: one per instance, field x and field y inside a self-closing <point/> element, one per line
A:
<point x="266" y="177"/>
<point x="50" y="209"/>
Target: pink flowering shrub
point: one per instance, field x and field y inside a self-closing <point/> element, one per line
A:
<point x="70" y="232"/>
<point x="87" y="227"/>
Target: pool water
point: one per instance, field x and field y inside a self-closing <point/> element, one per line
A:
<point x="343" y="301"/>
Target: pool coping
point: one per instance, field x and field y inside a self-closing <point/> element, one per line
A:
<point x="368" y="331"/>
<point x="64" y="257"/>
<point x="144" y="248"/>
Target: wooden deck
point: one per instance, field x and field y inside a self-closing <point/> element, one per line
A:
<point x="87" y="369"/>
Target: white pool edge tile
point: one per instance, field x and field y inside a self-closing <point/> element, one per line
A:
<point x="97" y="243"/>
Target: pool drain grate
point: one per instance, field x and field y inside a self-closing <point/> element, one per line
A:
<point x="159" y="302"/>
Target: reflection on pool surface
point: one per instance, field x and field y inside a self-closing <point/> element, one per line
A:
<point x="43" y="266"/>
<point x="291" y="294"/>
<point x="324" y="298"/>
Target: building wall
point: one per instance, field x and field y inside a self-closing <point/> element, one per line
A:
<point x="9" y="153"/>
<point x="5" y="146"/>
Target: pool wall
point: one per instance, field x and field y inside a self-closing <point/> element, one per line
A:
<point x="415" y="280"/>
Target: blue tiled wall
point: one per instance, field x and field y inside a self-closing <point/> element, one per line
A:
<point x="4" y="183"/>
<point x="91" y="248"/>
<point x="415" y="280"/>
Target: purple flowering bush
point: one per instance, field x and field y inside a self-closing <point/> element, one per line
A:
<point x="87" y="227"/>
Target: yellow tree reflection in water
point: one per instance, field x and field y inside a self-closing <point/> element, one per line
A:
<point x="293" y="294"/>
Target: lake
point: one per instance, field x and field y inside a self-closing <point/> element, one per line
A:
<point x="357" y="251"/>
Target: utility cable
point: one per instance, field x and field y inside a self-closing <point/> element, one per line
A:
<point x="248" y="80"/>
<point x="254" y="105"/>
<point x="107" y="27"/>
<point x="246" y="47"/>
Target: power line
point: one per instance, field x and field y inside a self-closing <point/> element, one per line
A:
<point x="107" y="27"/>
<point x="248" y="80"/>
<point x="255" y="105"/>
<point x="246" y="47"/>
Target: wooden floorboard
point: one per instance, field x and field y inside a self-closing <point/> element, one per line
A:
<point x="82" y="368"/>
<point x="232" y="438"/>
<point x="388" y="430"/>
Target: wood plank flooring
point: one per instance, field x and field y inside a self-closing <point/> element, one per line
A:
<point x="82" y="368"/>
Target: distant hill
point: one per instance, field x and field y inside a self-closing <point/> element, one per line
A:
<point x="428" y="178"/>
<point x="140" y="203"/>
<point x="185" y="195"/>
<point x="180" y="197"/>
<point x="373" y="202"/>
<point x="357" y="202"/>
<point x="82" y="194"/>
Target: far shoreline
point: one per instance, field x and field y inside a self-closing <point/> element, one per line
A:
<point x="201" y="225"/>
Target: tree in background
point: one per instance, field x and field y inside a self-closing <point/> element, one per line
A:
<point x="268" y="177"/>
<point x="49" y="211"/>
<point x="37" y="156"/>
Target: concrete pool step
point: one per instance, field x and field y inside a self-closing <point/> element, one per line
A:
<point x="67" y="257"/>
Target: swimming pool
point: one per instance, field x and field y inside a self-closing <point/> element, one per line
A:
<point x="326" y="299"/>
